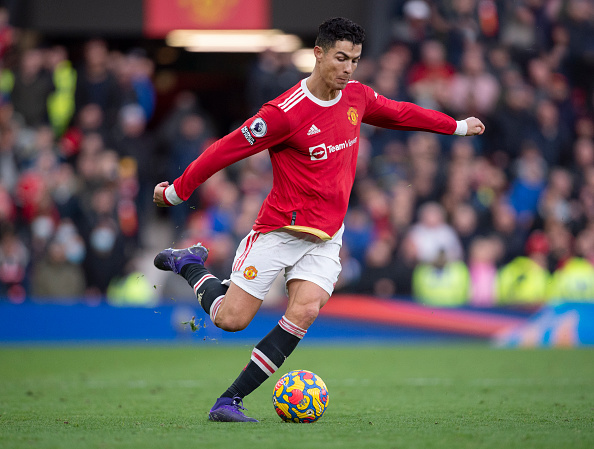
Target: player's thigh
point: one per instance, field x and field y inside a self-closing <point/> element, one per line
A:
<point x="320" y="266"/>
<point x="237" y="309"/>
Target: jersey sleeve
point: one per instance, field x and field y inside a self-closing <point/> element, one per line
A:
<point x="267" y="128"/>
<point x="400" y="115"/>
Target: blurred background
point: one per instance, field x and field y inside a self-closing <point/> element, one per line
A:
<point x="99" y="101"/>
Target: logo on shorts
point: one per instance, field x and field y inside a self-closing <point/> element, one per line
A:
<point x="318" y="152"/>
<point x="353" y="116"/>
<point x="250" y="273"/>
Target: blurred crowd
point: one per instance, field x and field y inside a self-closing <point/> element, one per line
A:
<point x="506" y="218"/>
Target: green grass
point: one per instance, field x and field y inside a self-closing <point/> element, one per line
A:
<point x="381" y="397"/>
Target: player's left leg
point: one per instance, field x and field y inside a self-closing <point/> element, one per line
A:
<point x="189" y="263"/>
<point x="310" y="282"/>
<point x="305" y="301"/>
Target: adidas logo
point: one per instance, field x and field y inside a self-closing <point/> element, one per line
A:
<point x="313" y="130"/>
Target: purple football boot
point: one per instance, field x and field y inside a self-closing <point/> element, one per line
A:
<point x="171" y="259"/>
<point x="229" y="410"/>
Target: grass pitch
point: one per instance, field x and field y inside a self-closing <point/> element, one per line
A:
<point x="380" y="397"/>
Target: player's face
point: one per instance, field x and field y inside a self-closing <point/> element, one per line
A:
<point x="338" y="63"/>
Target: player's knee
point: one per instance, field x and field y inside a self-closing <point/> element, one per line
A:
<point x="230" y="323"/>
<point x="306" y="315"/>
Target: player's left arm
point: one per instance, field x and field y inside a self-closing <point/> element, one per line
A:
<point x="385" y="113"/>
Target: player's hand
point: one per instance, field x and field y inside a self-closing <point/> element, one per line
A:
<point x="475" y="127"/>
<point x="158" y="194"/>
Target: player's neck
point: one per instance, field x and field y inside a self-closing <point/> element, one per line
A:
<point x="320" y="89"/>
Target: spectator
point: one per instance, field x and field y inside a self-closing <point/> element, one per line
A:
<point x="574" y="281"/>
<point x="95" y="84"/>
<point x="426" y="175"/>
<point x="402" y="206"/>
<point x="555" y="201"/>
<point x="457" y="188"/>
<point x="465" y="223"/>
<point x="6" y="32"/>
<point x="484" y="254"/>
<point x="415" y="25"/>
<point x="141" y="73"/>
<point x="272" y="74"/>
<point x="378" y="270"/>
<point x="106" y="246"/>
<point x="185" y="103"/>
<point x="14" y="259"/>
<point x="512" y="119"/>
<point x="583" y="159"/>
<point x="528" y="185"/>
<point x="131" y="139"/>
<point x="442" y="282"/>
<point x="9" y="171"/>
<point x="431" y="235"/>
<point x="525" y="280"/>
<point x="405" y="262"/>
<point x="429" y="78"/>
<point x="60" y="103"/>
<point x="503" y="220"/>
<point x="581" y="37"/>
<point x="550" y="135"/>
<point x="560" y="244"/>
<point x="358" y="233"/>
<point x="58" y="275"/>
<point x="32" y="87"/>
<point x="473" y="90"/>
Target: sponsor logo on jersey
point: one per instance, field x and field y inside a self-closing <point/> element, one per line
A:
<point x="258" y="127"/>
<point x="313" y="130"/>
<point x="353" y="116"/>
<point x="322" y="151"/>
<point x="342" y="145"/>
<point x="318" y="152"/>
<point x="250" y="273"/>
<point x="247" y="135"/>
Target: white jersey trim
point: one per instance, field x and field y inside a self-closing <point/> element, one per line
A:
<point x="461" y="128"/>
<point x="316" y="100"/>
<point x="172" y="196"/>
<point x="292" y="100"/>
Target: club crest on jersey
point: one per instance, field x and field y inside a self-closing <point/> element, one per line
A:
<point x="318" y="152"/>
<point x="250" y="273"/>
<point x="258" y="127"/>
<point x="353" y="116"/>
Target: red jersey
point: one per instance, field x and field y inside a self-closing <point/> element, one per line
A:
<point x="313" y="146"/>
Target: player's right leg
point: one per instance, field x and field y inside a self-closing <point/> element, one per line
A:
<point x="233" y="314"/>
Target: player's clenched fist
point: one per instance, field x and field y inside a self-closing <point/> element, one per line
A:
<point x="475" y="127"/>
<point x="158" y="195"/>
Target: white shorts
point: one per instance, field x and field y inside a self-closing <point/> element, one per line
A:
<point x="260" y="257"/>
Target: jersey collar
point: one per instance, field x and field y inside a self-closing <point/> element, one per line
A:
<point x="316" y="100"/>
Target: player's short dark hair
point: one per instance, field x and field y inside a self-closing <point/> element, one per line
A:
<point x="339" y="29"/>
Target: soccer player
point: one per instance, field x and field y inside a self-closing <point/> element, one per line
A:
<point x="312" y="133"/>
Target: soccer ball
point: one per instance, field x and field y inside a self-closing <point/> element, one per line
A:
<point x="300" y="396"/>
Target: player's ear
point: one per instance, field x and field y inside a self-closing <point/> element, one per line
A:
<point x="318" y="52"/>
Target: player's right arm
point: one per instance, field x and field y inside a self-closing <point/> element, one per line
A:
<point x="266" y="129"/>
